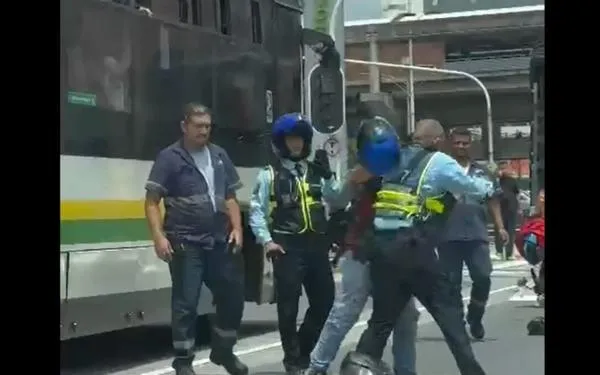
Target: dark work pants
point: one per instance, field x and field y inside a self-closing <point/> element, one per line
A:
<point x="193" y="264"/>
<point x="411" y="267"/>
<point x="476" y="255"/>
<point x="305" y="263"/>
<point x="509" y="220"/>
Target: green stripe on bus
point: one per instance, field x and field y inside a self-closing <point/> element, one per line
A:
<point x="94" y="231"/>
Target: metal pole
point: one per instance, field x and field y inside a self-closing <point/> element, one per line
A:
<point x="411" y="89"/>
<point x="374" y="85"/>
<point x="488" y="101"/>
<point x="533" y="164"/>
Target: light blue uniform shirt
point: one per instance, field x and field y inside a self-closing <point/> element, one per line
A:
<point x="259" y="203"/>
<point x="443" y="175"/>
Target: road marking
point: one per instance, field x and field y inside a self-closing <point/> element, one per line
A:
<point x="261" y="348"/>
<point x="520" y="297"/>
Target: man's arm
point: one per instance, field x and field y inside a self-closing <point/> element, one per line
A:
<point x="259" y="207"/>
<point x="494" y="206"/>
<point x="494" y="209"/>
<point x="450" y="176"/>
<point x="339" y="195"/>
<point x="516" y="189"/>
<point x="232" y="185"/>
<point x="156" y="189"/>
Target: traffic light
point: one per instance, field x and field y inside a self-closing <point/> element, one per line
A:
<point x="327" y="89"/>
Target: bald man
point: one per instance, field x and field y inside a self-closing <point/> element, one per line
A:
<point x="410" y="211"/>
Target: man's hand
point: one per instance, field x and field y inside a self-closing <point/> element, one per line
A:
<point x="235" y="241"/>
<point x="503" y="234"/>
<point x="321" y="164"/>
<point x="163" y="249"/>
<point x="273" y="250"/>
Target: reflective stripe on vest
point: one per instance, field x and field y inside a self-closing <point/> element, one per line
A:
<point x="401" y="202"/>
<point x="307" y="201"/>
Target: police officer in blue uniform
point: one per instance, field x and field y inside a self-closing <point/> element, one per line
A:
<point x="201" y="234"/>
<point x="466" y="236"/>
<point x="288" y="218"/>
<point x="411" y="209"/>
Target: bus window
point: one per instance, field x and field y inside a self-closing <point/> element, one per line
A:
<point x="97" y="61"/>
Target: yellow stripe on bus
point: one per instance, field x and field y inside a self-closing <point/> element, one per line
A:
<point x="102" y="209"/>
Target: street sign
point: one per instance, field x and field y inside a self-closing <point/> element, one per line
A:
<point x="81" y="98"/>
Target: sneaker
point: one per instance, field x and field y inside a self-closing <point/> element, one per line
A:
<point x="495" y="256"/>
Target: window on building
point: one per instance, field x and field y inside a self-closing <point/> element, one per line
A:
<point x="515" y="131"/>
<point x="224" y="17"/>
<point x="197" y="12"/>
<point x="183" y="11"/>
<point x="256" y="22"/>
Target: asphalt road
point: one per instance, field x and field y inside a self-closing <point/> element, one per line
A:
<point x="506" y="348"/>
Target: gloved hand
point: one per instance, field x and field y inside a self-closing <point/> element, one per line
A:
<point x="321" y="165"/>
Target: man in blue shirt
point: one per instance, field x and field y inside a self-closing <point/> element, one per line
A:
<point x="466" y="236"/>
<point x="411" y="209"/>
<point x="288" y="218"/>
<point x="197" y="182"/>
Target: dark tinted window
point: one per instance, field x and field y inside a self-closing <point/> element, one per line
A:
<point x="97" y="113"/>
<point x="163" y="66"/>
<point x="256" y="21"/>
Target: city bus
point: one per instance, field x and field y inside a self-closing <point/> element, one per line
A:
<point x="125" y="76"/>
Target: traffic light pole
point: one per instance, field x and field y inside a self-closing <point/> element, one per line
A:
<point x="488" y="101"/>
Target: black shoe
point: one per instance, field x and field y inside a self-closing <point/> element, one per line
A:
<point x="304" y="363"/>
<point x="230" y="362"/>
<point x="476" y="325"/>
<point x="293" y="370"/>
<point x="185" y="370"/>
<point x="477" y="330"/>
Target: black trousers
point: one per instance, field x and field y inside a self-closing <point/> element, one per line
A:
<point x="406" y="264"/>
<point x="476" y="255"/>
<point x="305" y="263"/>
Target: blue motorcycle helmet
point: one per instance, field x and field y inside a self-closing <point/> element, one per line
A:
<point x="378" y="146"/>
<point x="292" y="124"/>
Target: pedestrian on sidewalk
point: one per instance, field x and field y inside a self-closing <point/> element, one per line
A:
<point x="509" y="208"/>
